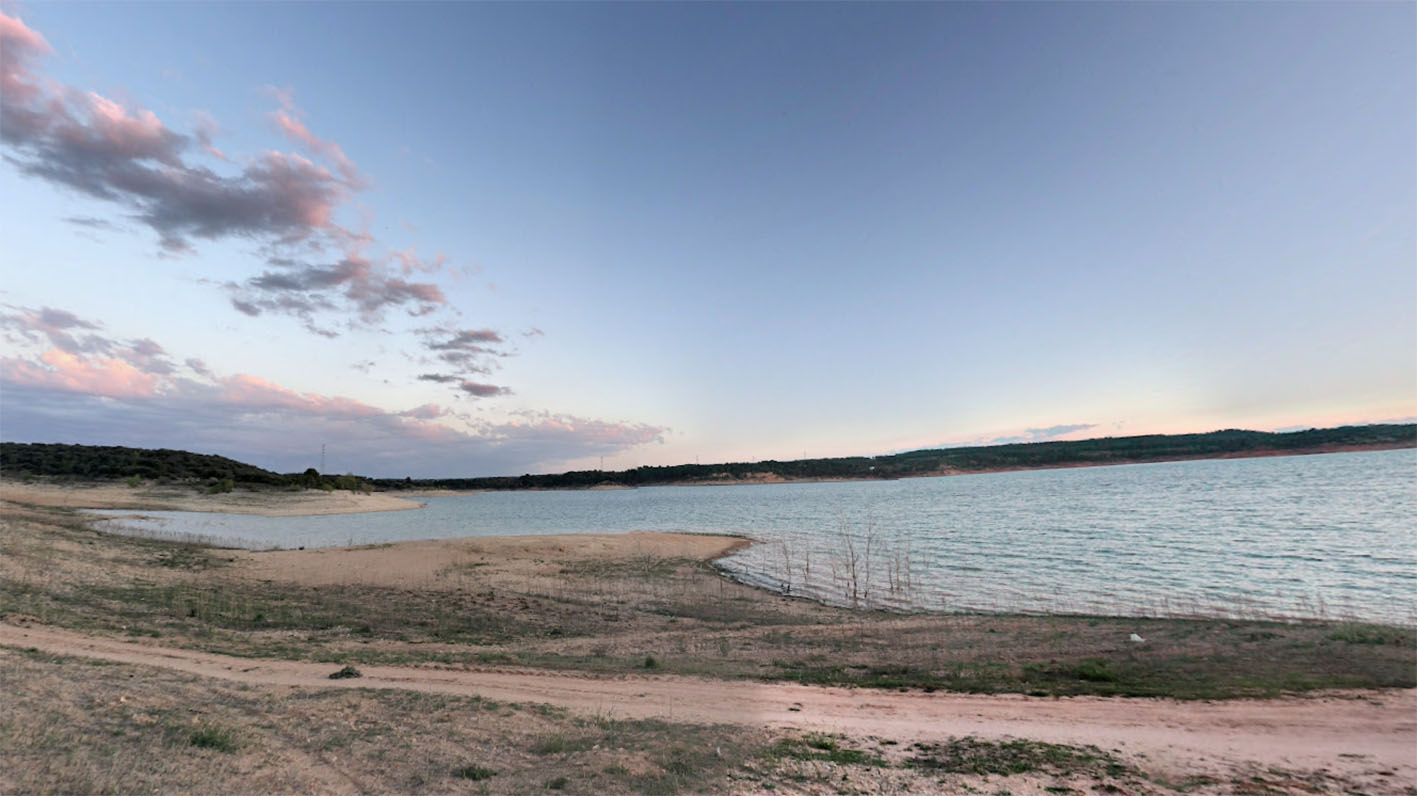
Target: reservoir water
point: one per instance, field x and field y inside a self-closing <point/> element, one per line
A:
<point x="1329" y="536"/>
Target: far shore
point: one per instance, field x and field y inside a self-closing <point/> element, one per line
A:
<point x="774" y="478"/>
<point x="275" y="502"/>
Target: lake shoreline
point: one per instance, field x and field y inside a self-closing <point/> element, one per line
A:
<point x="646" y="626"/>
<point x="955" y="472"/>
<point x="1083" y="540"/>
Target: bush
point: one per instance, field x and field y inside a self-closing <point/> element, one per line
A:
<point x="474" y="773"/>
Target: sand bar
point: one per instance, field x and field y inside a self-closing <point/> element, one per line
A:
<point x="426" y="564"/>
<point x="270" y="503"/>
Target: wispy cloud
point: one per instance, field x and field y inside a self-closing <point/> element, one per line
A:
<point x="479" y="390"/>
<point x="89" y="222"/>
<point x="1053" y="432"/>
<point x="1039" y="434"/>
<point x="304" y="290"/>
<point x="288" y="120"/>
<point x="466" y="352"/>
<point x="439" y="378"/>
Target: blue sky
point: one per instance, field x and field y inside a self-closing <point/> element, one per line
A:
<point x="464" y="239"/>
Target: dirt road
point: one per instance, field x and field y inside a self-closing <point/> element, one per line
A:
<point x="1368" y="734"/>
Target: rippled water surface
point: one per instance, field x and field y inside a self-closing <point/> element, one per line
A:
<point x="1330" y="535"/>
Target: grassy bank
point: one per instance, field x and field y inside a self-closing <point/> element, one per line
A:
<point x="656" y="614"/>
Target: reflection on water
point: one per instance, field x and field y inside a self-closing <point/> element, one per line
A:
<point x="1306" y="536"/>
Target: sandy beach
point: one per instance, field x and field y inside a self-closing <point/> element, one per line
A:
<point x="268" y="503"/>
<point x="435" y="563"/>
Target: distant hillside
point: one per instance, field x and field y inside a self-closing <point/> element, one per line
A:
<point x="109" y="462"/>
<point x="943" y="461"/>
<point x="105" y="462"/>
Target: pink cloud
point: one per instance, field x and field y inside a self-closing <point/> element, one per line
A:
<point x="59" y="370"/>
<point x="248" y="392"/>
<point x="139" y="135"/>
<point x="425" y="412"/>
<point x="97" y="146"/>
<point x="409" y="262"/>
<point x="18" y="44"/>
<point x="287" y="119"/>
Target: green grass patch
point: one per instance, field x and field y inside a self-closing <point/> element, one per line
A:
<point x="1374" y="635"/>
<point x="1003" y="758"/>
<point x="561" y="744"/>
<point x="817" y="746"/>
<point x="212" y="736"/>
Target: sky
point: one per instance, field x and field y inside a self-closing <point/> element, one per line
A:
<point x="458" y="239"/>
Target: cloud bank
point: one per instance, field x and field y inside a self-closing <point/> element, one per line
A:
<point x="74" y="383"/>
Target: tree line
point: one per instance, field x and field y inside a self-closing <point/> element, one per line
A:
<point x="1025" y="455"/>
<point x="113" y="462"/>
<point x="100" y="462"/>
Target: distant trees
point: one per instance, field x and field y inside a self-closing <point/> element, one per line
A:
<point x="352" y="483"/>
<point x="1105" y="450"/>
<point x="107" y="462"/>
<point x="98" y="462"/>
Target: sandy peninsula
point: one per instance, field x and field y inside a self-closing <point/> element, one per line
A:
<point x="268" y="503"/>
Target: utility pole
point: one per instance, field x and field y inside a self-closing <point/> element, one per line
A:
<point x="322" y="458"/>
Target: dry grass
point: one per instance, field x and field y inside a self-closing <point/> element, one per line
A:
<point x="72" y="726"/>
<point x="75" y="726"/>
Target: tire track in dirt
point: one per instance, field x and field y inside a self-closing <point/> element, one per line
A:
<point x="1350" y="733"/>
